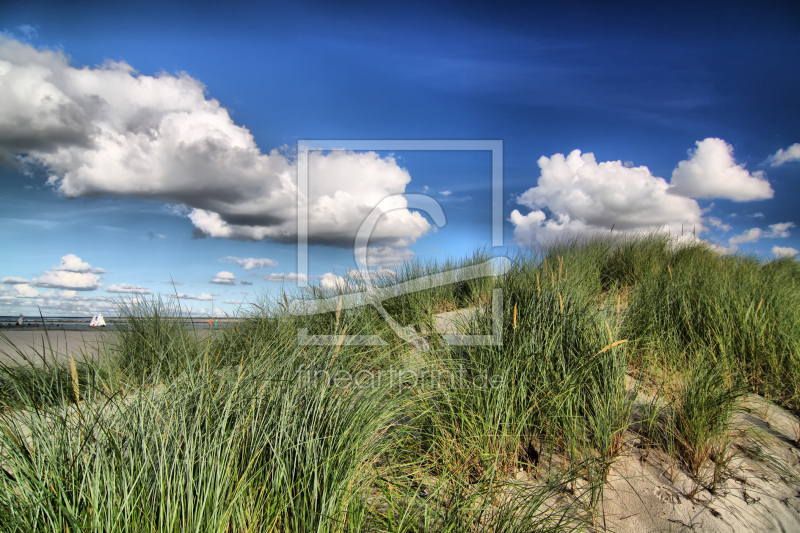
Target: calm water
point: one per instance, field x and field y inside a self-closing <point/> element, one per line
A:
<point x="73" y="322"/>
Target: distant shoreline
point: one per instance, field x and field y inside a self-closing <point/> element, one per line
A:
<point x="111" y="323"/>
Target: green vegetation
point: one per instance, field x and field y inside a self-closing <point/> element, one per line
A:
<point x="246" y="430"/>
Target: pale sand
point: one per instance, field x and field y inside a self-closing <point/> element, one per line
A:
<point x="645" y="494"/>
<point x="36" y="344"/>
<point x="58" y="344"/>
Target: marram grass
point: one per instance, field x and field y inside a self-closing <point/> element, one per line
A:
<point x="245" y="430"/>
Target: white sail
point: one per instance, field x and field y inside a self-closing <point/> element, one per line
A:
<point x="93" y="323"/>
<point x="100" y="321"/>
<point x="19" y="320"/>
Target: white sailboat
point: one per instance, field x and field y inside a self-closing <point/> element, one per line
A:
<point x="19" y="320"/>
<point x="97" y="321"/>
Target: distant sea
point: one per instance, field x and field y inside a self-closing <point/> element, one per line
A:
<point x="80" y="322"/>
<point x="52" y="321"/>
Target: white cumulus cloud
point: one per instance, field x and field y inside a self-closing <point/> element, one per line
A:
<point x="73" y="263"/>
<point x="109" y="130"/>
<point x="330" y="280"/>
<point x="711" y="172"/>
<point x="785" y="155"/>
<point x="26" y="291"/>
<point x="576" y="195"/>
<point x="61" y="279"/>
<point x="71" y="274"/>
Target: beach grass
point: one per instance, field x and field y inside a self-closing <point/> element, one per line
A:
<point x="247" y="429"/>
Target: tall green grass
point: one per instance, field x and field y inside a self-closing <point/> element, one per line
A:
<point x="245" y="429"/>
<point x="744" y="312"/>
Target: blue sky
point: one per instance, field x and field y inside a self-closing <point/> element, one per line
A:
<point x="138" y="141"/>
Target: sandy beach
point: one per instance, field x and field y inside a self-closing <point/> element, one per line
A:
<point x="37" y="343"/>
<point x="54" y="343"/>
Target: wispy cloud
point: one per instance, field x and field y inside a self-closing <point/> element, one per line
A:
<point x="719" y="224"/>
<point x="290" y="277"/>
<point x="202" y="297"/>
<point x="250" y="263"/>
<point x="782" y="156"/>
<point x="126" y="288"/>
<point x="13" y="280"/>
<point x="776" y="231"/>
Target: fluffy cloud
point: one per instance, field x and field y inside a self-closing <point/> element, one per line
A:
<point x="71" y="274"/>
<point x="291" y="277"/>
<point x="109" y="130"/>
<point x="776" y="231"/>
<point x="60" y="279"/>
<point x="751" y="235"/>
<point x="224" y="278"/>
<point x="784" y="251"/>
<point x="711" y="172"/>
<point x="125" y="288"/>
<point x="73" y="263"/>
<point x="330" y="280"/>
<point x="785" y="156"/>
<point x="59" y="303"/>
<point x="233" y="302"/>
<point x="245" y="282"/>
<point x="585" y="197"/>
<point x="779" y="231"/>
<point x="26" y="291"/>
<point x="250" y="263"/>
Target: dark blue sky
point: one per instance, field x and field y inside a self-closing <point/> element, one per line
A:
<point x="628" y="82"/>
